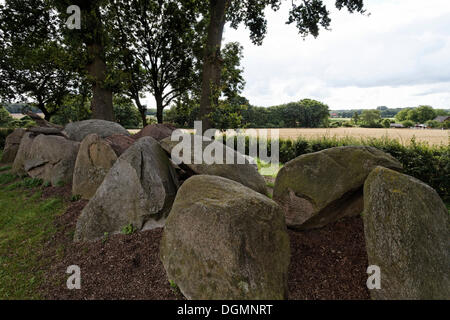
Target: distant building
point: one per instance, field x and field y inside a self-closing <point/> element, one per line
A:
<point x="442" y="119"/>
<point x="397" y="125"/>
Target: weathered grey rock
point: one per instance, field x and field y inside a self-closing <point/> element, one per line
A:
<point x="223" y="240"/>
<point x="77" y="131"/>
<point x="319" y="188"/>
<point x="12" y="144"/>
<point x="94" y="160"/>
<point x="245" y="173"/>
<point x="52" y="159"/>
<point x="407" y="229"/>
<point x="138" y="189"/>
<point x="157" y="131"/>
<point x="23" y="154"/>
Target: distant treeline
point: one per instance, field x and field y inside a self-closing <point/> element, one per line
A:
<point x="20" y="108"/>
<point x="385" y="112"/>
<point x="238" y="113"/>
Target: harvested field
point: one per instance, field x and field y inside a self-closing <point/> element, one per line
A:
<point x="404" y="136"/>
<point x="431" y="136"/>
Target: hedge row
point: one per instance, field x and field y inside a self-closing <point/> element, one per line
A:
<point x="430" y="164"/>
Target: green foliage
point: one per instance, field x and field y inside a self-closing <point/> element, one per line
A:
<point x="386" y="123"/>
<point x="74" y="107"/>
<point x="6" y="178"/>
<point x="34" y="65"/>
<point x="126" y="113"/>
<point x="408" y="123"/>
<point x="430" y="164"/>
<point x="421" y="114"/>
<point x="371" y="119"/>
<point x="75" y="198"/>
<point x="5" y="117"/>
<point x="128" y="229"/>
<point x="5" y="168"/>
<point x="238" y="113"/>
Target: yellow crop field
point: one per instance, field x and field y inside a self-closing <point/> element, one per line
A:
<point x="404" y="136"/>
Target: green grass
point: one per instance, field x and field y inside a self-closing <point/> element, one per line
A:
<point x="266" y="169"/>
<point x="26" y="223"/>
<point x="5" y="168"/>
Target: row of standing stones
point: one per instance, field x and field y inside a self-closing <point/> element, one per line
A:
<point x="223" y="237"/>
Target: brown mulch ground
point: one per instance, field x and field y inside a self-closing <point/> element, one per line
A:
<point x="328" y="263"/>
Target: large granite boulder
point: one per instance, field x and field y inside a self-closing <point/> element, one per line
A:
<point x="94" y="160"/>
<point x="77" y="131"/>
<point x="52" y="159"/>
<point x="23" y="154"/>
<point x="12" y="144"/>
<point x="223" y="240"/>
<point x="156" y="131"/>
<point x="319" y="188"/>
<point x="407" y="229"/>
<point x="241" y="170"/>
<point x="138" y="190"/>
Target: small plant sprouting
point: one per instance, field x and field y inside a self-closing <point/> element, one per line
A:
<point x="47" y="184"/>
<point x="128" y="229"/>
<point x="60" y="183"/>
<point x="105" y="237"/>
<point x="173" y="285"/>
<point x="75" y="198"/>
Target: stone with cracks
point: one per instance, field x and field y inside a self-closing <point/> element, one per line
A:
<point x="94" y="160"/>
<point x="407" y="228"/>
<point x="225" y="241"/>
<point x="138" y="190"/>
<point x="23" y="154"/>
<point x="319" y="188"/>
<point x="12" y="144"/>
<point x="52" y="159"/>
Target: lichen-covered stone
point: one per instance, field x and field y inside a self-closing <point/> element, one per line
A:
<point x="23" y="154"/>
<point x="52" y="159"/>
<point x="77" y="131"/>
<point x="223" y="240"/>
<point x="245" y="173"/>
<point x="12" y="144"/>
<point x="139" y="188"/>
<point x="94" y="160"/>
<point x="407" y="229"/>
<point x="319" y="188"/>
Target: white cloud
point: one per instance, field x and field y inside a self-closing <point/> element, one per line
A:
<point x="398" y="56"/>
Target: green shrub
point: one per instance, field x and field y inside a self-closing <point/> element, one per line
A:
<point x="430" y="164"/>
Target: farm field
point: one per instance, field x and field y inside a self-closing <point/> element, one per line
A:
<point x="432" y="137"/>
<point x="404" y="136"/>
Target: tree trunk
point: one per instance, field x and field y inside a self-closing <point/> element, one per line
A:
<point x="47" y="115"/>
<point x="212" y="62"/>
<point x="102" y="99"/>
<point x="159" y="107"/>
<point x="142" y="110"/>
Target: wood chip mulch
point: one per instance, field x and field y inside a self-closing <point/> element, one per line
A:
<point x="328" y="263"/>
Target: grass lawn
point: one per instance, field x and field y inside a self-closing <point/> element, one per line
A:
<point x="26" y="223"/>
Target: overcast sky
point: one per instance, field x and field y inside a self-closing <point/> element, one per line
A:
<point x="399" y="56"/>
